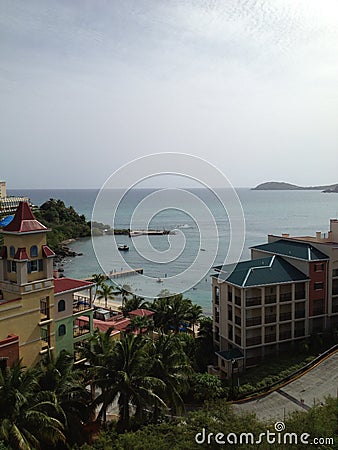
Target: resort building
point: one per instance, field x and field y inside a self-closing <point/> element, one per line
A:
<point x="8" y="205"/>
<point x="73" y="314"/>
<point x="285" y="293"/>
<point x="37" y="312"/>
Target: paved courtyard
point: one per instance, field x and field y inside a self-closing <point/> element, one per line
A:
<point x="299" y="395"/>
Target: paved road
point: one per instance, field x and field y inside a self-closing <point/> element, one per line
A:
<point x="299" y="395"/>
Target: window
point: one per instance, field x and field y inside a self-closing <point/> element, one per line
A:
<point x="318" y="286"/>
<point x="319" y="267"/>
<point x="32" y="266"/>
<point x="61" y="305"/>
<point x="13" y="266"/>
<point x="40" y="264"/>
<point x="44" y="307"/>
<point x="34" y="251"/>
<point x="9" y="266"/>
<point x="335" y="272"/>
<point x="62" y="330"/>
<point x="11" y="251"/>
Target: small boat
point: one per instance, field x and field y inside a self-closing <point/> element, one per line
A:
<point x="202" y="249"/>
<point x="159" y="280"/>
<point x="123" y="247"/>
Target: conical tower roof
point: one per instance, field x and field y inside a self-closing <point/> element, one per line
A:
<point x="24" y="221"/>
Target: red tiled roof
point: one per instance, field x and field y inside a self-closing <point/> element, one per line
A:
<point x="24" y="221"/>
<point x="69" y="284"/>
<point x="142" y="313"/>
<point x="3" y="252"/>
<point x="21" y="254"/>
<point x="47" y="252"/>
<point x="104" y="326"/>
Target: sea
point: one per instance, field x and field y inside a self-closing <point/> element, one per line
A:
<point x="201" y="231"/>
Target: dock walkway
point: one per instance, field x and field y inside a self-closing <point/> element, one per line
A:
<point x="123" y="273"/>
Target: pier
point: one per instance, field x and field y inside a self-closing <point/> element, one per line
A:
<point x="124" y="273"/>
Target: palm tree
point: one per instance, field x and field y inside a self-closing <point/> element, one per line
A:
<point x="170" y="364"/>
<point x="142" y="324"/>
<point x="105" y="291"/>
<point x="125" y="291"/>
<point x="59" y="376"/>
<point x="28" y="417"/>
<point x="194" y="314"/>
<point x="205" y="351"/>
<point x="171" y="312"/>
<point x="133" y="303"/>
<point x="125" y="378"/>
<point x="98" y="279"/>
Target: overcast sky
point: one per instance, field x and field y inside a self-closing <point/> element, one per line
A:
<point x="86" y="86"/>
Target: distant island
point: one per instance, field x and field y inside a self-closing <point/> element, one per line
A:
<point x="282" y="186"/>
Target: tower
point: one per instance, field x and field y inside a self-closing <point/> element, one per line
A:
<point x="26" y="287"/>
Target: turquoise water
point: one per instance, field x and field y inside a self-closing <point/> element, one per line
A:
<point x="274" y="212"/>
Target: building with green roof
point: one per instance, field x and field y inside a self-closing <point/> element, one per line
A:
<point x="287" y="291"/>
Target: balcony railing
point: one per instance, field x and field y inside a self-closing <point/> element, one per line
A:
<point x="270" y="318"/>
<point x="253" y="301"/>
<point x="285" y="316"/>
<point x="270" y="299"/>
<point x="299" y="332"/>
<point x="287" y="297"/>
<point x="270" y="337"/>
<point x="284" y="335"/>
<point x="299" y="295"/>
<point x="254" y="341"/>
<point x="253" y="321"/>
<point x="81" y="305"/>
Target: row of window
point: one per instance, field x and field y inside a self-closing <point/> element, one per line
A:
<point x="32" y="266"/>
<point x="33" y="251"/>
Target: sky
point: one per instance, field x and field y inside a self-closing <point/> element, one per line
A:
<point x="88" y="86"/>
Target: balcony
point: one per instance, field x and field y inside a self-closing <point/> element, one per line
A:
<point x="287" y="297"/>
<point x="299" y="332"/>
<point x="284" y="335"/>
<point x="270" y="299"/>
<point x="270" y="337"/>
<point x="257" y="340"/>
<point x="299" y="295"/>
<point x="45" y="338"/>
<point x="253" y="301"/>
<point x="300" y="314"/>
<point x="271" y="318"/>
<point x="81" y="303"/>
<point x="80" y="328"/>
<point x="285" y="316"/>
<point x="251" y="322"/>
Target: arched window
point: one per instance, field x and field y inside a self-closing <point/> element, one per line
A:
<point x="62" y="330"/>
<point x="61" y="305"/>
<point x="12" y="251"/>
<point x="34" y="251"/>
